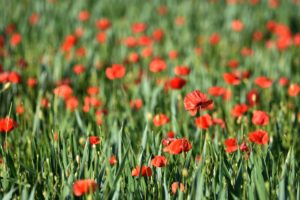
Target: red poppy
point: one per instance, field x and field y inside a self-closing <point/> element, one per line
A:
<point x="146" y="171"/>
<point x="182" y="70"/>
<point x="239" y="110"/>
<point x="103" y="24"/>
<point x="175" y="186"/>
<point x="33" y="19"/>
<point x="244" y="147"/>
<point x="94" y="140"/>
<point x="159" y="161"/>
<point x="15" y="39"/>
<point x="93" y="90"/>
<point x="283" y="81"/>
<point x="263" y="82"/>
<point x="84" y="15"/>
<point x="7" y="124"/>
<point x="231" y="78"/>
<point x="157" y="65"/>
<point x="237" y="25"/>
<point x="216" y="91"/>
<point x="138" y="27"/>
<point x="78" y="69"/>
<point x="160" y="119"/>
<point x="233" y="63"/>
<point x="44" y="103"/>
<point x="176" y="83"/>
<point x="260" y="118"/>
<point x="14" y="77"/>
<point x="63" y="91"/>
<point x="257" y="36"/>
<point x="130" y="42"/>
<point x="158" y="34"/>
<point x="31" y="82"/>
<point x="85" y="186"/>
<point x="133" y="57"/>
<point x="69" y="42"/>
<point x="231" y="145"/>
<point x="72" y="103"/>
<point x="136" y="104"/>
<point x="173" y="54"/>
<point x="252" y="97"/>
<point x="220" y="122"/>
<point x="259" y="137"/>
<point x="177" y="146"/>
<point x="294" y="90"/>
<point x="179" y="21"/>
<point x="204" y="121"/>
<point x="195" y="101"/>
<point x="117" y="71"/>
<point x="144" y="40"/>
<point x="214" y="39"/>
<point x="20" y="109"/>
<point x="101" y="37"/>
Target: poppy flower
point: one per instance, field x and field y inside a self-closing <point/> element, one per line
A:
<point x="178" y="146"/>
<point x="175" y="186"/>
<point x="220" y="122"/>
<point x="293" y="90"/>
<point x="160" y="119"/>
<point x="244" y="147"/>
<point x="146" y="171"/>
<point x="7" y="124"/>
<point x="204" y="121"/>
<point x="263" y="82"/>
<point x="259" y="137"/>
<point x="15" y="39"/>
<point x="237" y="25"/>
<point x="260" y="118"/>
<point x="159" y="161"/>
<point x="179" y="21"/>
<point x="246" y="51"/>
<point x="214" y="39"/>
<point x="33" y="19"/>
<point x="239" y="110"/>
<point x="133" y="57"/>
<point x="231" y="145"/>
<point x="138" y="27"/>
<point x="233" y="63"/>
<point x="117" y="71"/>
<point x="63" y="91"/>
<point x="231" y="78"/>
<point x="113" y="160"/>
<point x="257" y="36"/>
<point x="20" y="109"/>
<point x="158" y="34"/>
<point x="182" y="70"/>
<point x="78" y="69"/>
<point x="195" y="101"/>
<point x="68" y="43"/>
<point x="31" y="82"/>
<point x="130" y="42"/>
<point x="216" y="91"/>
<point x="101" y="37"/>
<point x="94" y="140"/>
<point x="283" y="81"/>
<point x="157" y="65"/>
<point x="72" y="103"/>
<point x="173" y="54"/>
<point x="44" y="103"/>
<point x="84" y="15"/>
<point x="136" y="104"/>
<point x="176" y="83"/>
<point x="144" y="40"/>
<point x="93" y="90"/>
<point x="14" y="77"/>
<point x="252" y="97"/>
<point x="103" y="24"/>
<point x="85" y="186"/>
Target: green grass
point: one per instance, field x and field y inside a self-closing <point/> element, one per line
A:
<point x="35" y="166"/>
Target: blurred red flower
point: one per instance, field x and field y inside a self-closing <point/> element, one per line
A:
<point x="85" y="186"/>
<point x="176" y="83"/>
<point x="239" y="110"/>
<point x="117" y="71"/>
<point x="94" y="140"/>
<point x="103" y="24"/>
<point x="160" y="119"/>
<point x="157" y="65"/>
<point x="231" y="145"/>
<point x="252" y="97"/>
<point x="7" y="124"/>
<point x="204" y="121"/>
<point x="263" y="82"/>
<point x="259" y="137"/>
<point x="177" y="146"/>
<point x="146" y="171"/>
<point x="64" y="91"/>
<point x="182" y="70"/>
<point x="231" y="78"/>
<point x="175" y="186"/>
<point x="260" y="118"/>
<point x="195" y="101"/>
<point x="159" y="161"/>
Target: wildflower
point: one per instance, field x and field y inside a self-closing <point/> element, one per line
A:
<point x="84" y="186"/>
<point x="259" y="137"/>
<point x="159" y="161"/>
<point x="260" y="118"/>
<point x="231" y="145"/>
<point x="160" y="119"/>
<point x="204" y="121"/>
<point x="195" y="101"/>
<point x="177" y="146"/>
<point x="146" y="171"/>
<point x="117" y="71"/>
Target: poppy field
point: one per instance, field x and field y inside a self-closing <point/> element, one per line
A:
<point x="150" y="99"/>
